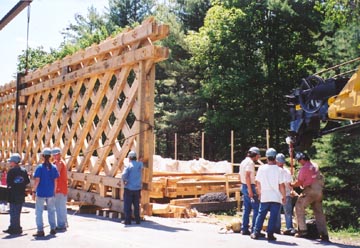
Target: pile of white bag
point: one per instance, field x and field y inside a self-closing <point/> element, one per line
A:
<point x="192" y="166"/>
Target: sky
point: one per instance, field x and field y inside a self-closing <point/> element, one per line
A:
<point x="47" y="19"/>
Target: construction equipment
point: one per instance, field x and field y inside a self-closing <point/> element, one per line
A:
<point x="14" y="12"/>
<point x="322" y="106"/>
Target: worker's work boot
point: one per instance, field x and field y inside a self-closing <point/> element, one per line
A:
<point x="325" y="238"/>
<point x="39" y="234"/>
<point x="301" y="234"/>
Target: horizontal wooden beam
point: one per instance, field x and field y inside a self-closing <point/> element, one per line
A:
<point x="130" y="58"/>
<point x="149" y="30"/>
<point x="96" y="199"/>
<point x="97" y="179"/>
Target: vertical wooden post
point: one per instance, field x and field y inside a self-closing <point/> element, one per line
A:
<point x="291" y="148"/>
<point x="154" y="143"/>
<point x="232" y="150"/>
<point x="267" y="139"/>
<point x="202" y="144"/>
<point x="175" y="144"/>
<point x="146" y="129"/>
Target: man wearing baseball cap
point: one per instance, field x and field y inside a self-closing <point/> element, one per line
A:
<point x="251" y="199"/>
<point x="61" y="190"/>
<point x="16" y="181"/>
<point x="45" y="177"/>
<point x="271" y="189"/>
<point x="312" y="182"/>
<point x="132" y="178"/>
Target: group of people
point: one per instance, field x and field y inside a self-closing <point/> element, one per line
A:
<point x="270" y="189"/>
<point x="50" y="187"/>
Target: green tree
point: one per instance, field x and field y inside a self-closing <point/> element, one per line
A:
<point x="192" y="13"/>
<point x="123" y="13"/>
<point x="178" y="105"/>
<point x="250" y="55"/>
<point x="86" y="30"/>
<point x="339" y="159"/>
<point x="338" y="153"/>
<point x="35" y="58"/>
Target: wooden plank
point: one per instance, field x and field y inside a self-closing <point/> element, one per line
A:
<point x="160" y="208"/>
<point x="95" y="179"/>
<point x="128" y="59"/>
<point x="95" y="199"/>
<point x="186" y="202"/>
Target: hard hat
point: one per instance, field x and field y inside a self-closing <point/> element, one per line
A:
<point x="46" y="151"/>
<point x="254" y="149"/>
<point x="55" y="150"/>
<point x="15" y="157"/>
<point x="280" y="158"/>
<point x="271" y="152"/>
<point x="301" y="155"/>
<point x="132" y="154"/>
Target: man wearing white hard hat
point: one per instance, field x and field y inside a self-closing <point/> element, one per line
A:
<point x="271" y="189"/>
<point x="61" y="190"/>
<point x="45" y="177"/>
<point x="16" y="182"/>
<point x="132" y="178"/>
<point x="312" y="182"/>
<point x="288" y="206"/>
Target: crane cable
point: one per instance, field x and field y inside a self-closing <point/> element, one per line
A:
<point x="27" y="41"/>
<point x="337" y="66"/>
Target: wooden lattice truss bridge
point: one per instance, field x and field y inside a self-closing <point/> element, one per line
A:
<point x="96" y="104"/>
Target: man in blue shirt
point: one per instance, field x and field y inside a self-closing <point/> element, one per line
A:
<point x="45" y="177"/>
<point x="132" y="178"/>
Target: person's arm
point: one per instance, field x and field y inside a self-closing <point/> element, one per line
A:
<point x="55" y="185"/>
<point x="299" y="182"/>
<point x="248" y="183"/>
<point x="258" y="189"/>
<point x="283" y="192"/>
<point x="125" y="174"/>
<point x="36" y="183"/>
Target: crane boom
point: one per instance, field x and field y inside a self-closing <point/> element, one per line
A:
<point x="14" y="12"/>
<point x="334" y="100"/>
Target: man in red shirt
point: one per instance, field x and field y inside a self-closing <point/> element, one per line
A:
<point x="312" y="182"/>
<point x="61" y="191"/>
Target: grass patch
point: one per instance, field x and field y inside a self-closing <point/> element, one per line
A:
<point x="350" y="236"/>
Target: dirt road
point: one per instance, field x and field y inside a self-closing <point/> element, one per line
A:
<point x="86" y="230"/>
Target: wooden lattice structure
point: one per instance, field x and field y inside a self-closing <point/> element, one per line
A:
<point x="96" y="105"/>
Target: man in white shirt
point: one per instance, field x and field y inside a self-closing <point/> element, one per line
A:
<point x="271" y="189"/>
<point x="251" y="200"/>
<point x="288" y="206"/>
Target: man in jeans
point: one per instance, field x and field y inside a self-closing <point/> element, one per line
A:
<point x="45" y="176"/>
<point x="132" y="178"/>
<point x="271" y="189"/>
<point x="288" y="206"/>
<point x="17" y="179"/>
<point x="61" y="190"/>
<point x="251" y="200"/>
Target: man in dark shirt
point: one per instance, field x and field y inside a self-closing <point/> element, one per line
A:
<point x="16" y="181"/>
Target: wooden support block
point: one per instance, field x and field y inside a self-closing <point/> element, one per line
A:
<point x="184" y="202"/>
<point x="160" y="208"/>
<point x="114" y="215"/>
